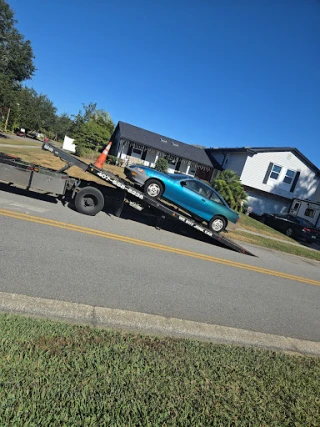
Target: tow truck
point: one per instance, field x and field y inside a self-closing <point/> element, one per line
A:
<point x="89" y="197"/>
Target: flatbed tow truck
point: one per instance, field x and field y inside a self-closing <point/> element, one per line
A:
<point x="89" y="197"/>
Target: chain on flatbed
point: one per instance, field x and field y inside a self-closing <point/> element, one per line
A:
<point x="130" y="189"/>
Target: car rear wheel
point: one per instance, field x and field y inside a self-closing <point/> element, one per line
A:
<point x="289" y="232"/>
<point x="153" y="188"/>
<point x="217" y="224"/>
<point x="263" y="219"/>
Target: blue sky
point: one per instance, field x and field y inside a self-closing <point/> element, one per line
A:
<point x="218" y="73"/>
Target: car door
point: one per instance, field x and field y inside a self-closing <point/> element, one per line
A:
<point x="285" y="221"/>
<point x="194" y="196"/>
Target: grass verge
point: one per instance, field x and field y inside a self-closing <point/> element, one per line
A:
<point x="19" y="143"/>
<point x="58" y="374"/>
<point x="265" y="242"/>
<point x="251" y="224"/>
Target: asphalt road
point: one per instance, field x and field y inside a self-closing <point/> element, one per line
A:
<point x="126" y="264"/>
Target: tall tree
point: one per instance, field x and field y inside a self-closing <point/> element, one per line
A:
<point x="63" y="126"/>
<point x="16" y="53"/>
<point x="92" y="130"/>
<point x="228" y="184"/>
<point x="16" y="59"/>
<point x="33" y="111"/>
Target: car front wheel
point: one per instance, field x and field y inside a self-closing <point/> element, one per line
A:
<point x="153" y="188"/>
<point x="217" y="224"/>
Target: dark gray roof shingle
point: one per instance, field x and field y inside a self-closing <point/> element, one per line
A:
<point x="164" y="143"/>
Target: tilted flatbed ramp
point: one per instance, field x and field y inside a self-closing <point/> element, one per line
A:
<point x="140" y="197"/>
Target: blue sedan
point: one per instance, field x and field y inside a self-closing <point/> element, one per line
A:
<point x="190" y="194"/>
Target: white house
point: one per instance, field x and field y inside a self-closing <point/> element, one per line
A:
<point x="273" y="177"/>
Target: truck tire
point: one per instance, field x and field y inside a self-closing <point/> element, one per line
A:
<point x="89" y="201"/>
<point x="217" y="224"/>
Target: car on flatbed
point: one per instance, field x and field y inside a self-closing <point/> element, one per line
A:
<point x="203" y="202"/>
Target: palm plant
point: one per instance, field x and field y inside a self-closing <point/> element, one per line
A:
<point x="228" y="184"/>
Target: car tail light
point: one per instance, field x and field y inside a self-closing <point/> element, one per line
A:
<point x="306" y="229"/>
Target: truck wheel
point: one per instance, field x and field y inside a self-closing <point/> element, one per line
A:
<point x="153" y="188"/>
<point x="217" y="224"/>
<point x="89" y="201"/>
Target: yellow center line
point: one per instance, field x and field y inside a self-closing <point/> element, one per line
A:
<point x="107" y="235"/>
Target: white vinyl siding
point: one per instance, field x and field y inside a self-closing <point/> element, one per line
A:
<point x="236" y="162"/>
<point x="261" y="204"/>
<point x="256" y="167"/>
<point x="316" y="196"/>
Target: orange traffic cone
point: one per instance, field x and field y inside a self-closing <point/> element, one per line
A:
<point x="102" y="158"/>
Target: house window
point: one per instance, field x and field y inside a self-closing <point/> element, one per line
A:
<point x="275" y="172"/>
<point x="136" y="153"/>
<point x="309" y="212"/>
<point x="289" y="176"/>
<point x="172" y="163"/>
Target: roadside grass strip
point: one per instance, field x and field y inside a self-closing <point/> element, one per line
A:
<point x="269" y="243"/>
<point x="57" y="374"/>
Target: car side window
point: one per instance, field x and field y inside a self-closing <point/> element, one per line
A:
<point x="293" y="219"/>
<point x="198" y="187"/>
<point x="215" y="198"/>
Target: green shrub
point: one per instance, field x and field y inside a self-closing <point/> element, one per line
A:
<point x="82" y="151"/>
<point x="161" y="165"/>
<point x="229" y="185"/>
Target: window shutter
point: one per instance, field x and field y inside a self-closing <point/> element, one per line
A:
<point x="266" y="177"/>
<point x="293" y="186"/>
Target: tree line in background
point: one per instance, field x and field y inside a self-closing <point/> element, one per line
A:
<point x="23" y="107"/>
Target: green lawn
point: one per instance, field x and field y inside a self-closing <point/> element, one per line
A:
<point x="55" y="374"/>
<point x="250" y="224"/>
<point x="21" y="143"/>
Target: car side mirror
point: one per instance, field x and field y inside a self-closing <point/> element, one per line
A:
<point x="183" y="183"/>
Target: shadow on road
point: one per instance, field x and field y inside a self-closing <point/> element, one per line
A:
<point x="149" y="216"/>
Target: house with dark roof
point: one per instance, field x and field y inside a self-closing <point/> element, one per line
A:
<point x="136" y="145"/>
<point x="276" y="179"/>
